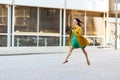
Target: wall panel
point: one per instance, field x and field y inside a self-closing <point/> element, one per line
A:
<point x="89" y="5"/>
<point x="41" y="3"/>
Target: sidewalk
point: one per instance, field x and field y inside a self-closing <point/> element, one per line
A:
<point x="38" y="50"/>
<point x="105" y="65"/>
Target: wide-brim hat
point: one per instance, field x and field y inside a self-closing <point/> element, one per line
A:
<point x="81" y="21"/>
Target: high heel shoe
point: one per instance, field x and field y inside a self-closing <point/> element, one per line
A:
<point x="65" y="62"/>
<point x="88" y="62"/>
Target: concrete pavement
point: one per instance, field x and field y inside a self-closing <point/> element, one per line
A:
<point x="105" y="65"/>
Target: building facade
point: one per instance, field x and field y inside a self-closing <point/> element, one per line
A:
<point x="46" y="23"/>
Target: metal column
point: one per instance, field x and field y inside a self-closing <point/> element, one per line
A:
<point x="85" y="23"/>
<point x="13" y="24"/>
<point x="9" y="26"/>
<point x="60" y="27"/>
<point x="64" y="24"/>
<point x="38" y="26"/>
<point x="116" y="25"/>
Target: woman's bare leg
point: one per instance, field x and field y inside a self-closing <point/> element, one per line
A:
<point x="68" y="55"/>
<point x="85" y="53"/>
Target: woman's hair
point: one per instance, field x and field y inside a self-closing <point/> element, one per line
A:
<point x="78" y="21"/>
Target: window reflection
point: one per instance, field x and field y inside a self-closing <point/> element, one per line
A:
<point x="66" y="41"/>
<point x="25" y="41"/>
<point x="49" y="20"/>
<point x="3" y="40"/>
<point x="3" y="19"/>
<point x="95" y="24"/>
<point x="25" y="19"/>
<point x="95" y="41"/>
<point x="49" y="41"/>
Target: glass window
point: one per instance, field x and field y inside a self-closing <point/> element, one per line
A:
<point x="25" y="41"/>
<point x="95" y="41"/>
<point x="25" y="19"/>
<point x="66" y="41"/>
<point x="3" y="40"/>
<point x="49" y="41"/>
<point x="49" y="20"/>
<point x="3" y="19"/>
<point x="95" y="24"/>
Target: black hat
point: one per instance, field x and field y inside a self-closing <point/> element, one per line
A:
<point x="79" y="20"/>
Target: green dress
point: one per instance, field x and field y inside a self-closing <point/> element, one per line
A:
<point x="75" y="43"/>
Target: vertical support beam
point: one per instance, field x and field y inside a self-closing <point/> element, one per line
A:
<point x="116" y="25"/>
<point x="107" y="29"/>
<point x="13" y="24"/>
<point x="38" y="26"/>
<point x="8" y="26"/>
<point x="60" y="27"/>
<point x="64" y="24"/>
<point x="104" y="36"/>
<point x="85" y="23"/>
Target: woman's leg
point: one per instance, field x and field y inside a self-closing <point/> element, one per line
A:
<point x="85" y="53"/>
<point x="68" y="55"/>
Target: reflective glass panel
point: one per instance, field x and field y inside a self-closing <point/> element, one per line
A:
<point x="95" y="41"/>
<point x="48" y="41"/>
<point x="3" y="40"/>
<point x="95" y="24"/>
<point x="25" y="19"/>
<point x="3" y="18"/>
<point x="49" y="20"/>
<point x="25" y="41"/>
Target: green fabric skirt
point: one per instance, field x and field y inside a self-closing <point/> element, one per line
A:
<point x="75" y="43"/>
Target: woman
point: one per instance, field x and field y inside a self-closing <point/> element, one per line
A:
<point x="76" y="40"/>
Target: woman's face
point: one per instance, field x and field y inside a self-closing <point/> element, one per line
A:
<point x="75" y="22"/>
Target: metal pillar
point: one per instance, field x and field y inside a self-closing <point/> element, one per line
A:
<point x="13" y="24"/>
<point x="116" y="24"/>
<point x="9" y="26"/>
<point x="38" y="17"/>
<point x="60" y="27"/>
<point x="64" y="24"/>
<point x="85" y="22"/>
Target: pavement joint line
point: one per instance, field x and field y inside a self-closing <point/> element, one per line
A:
<point x="31" y="53"/>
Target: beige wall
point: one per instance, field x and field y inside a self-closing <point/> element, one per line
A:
<point x="5" y="1"/>
<point x="88" y="5"/>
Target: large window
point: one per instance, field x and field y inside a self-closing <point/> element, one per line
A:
<point x="25" y="19"/>
<point x="49" y="20"/>
<point x="3" y="19"/>
<point x="3" y="40"/>
<point x="95" y="24"/>
<point x="25" y="41"/>
<point x="95" y="28"/>
<point x="3" y="25"/>
<point x="49" y="23"/>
